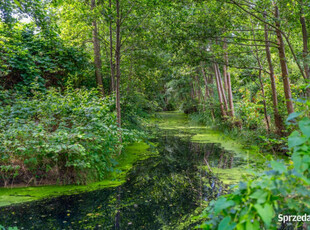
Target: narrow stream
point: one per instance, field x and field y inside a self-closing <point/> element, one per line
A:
<point x="161" y="192"/>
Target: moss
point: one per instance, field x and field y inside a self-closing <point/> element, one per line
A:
<point x="132" y="154"/>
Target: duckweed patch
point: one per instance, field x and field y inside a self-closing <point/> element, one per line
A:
<point x="229" y="176"/>
<point x="202" y="134"/>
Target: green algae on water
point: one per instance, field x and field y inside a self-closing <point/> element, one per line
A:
<point x="132" y="153"/>
<point x="200" y="133"/>
<point x="229" y="176"/>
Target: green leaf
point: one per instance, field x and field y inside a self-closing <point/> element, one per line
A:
<point x="266" y="213"/>
<point x="295" y="139"/>
<point x="222" y="203"/>
<point x="294" y="115"/>
<point x="297" y="161"/>
<point x="304" y="126"/>
<point x="278" y="166"/>
<point x="252" y="226"/>
<point x="260" y="195"/>
<point x="257" y="194"/>
<point x="225" y="224"/>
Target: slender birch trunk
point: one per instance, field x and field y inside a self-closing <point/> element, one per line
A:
<point x="223" y="112"/>
<point x="277" y="117"/>
<point x="284" y="68"/>
<point x="228" y="83"/>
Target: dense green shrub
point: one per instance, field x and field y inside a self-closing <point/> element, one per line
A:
<point x="70" y="137"/>
<point x="28" y="55"/>
<point x="284" y="189"/>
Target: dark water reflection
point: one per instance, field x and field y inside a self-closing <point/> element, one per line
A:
<point x="159" y="192"/>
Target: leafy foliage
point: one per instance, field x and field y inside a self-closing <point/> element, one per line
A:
<point x="28" y="56"/>
<point x="70" y="137"/>
<point x="256" y="203"/>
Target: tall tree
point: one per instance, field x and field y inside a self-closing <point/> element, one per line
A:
<point x="260" y="78"/>
<point x="284" y="68"/>
<point x="112" y="65"/>
<point x="221" y="87"/>
<point x="228" y="81"/>
<point x="219" y="90"/>
<point x="277" y="117"/>
<point x="304" y="39"/>
<point x="118" y="63"/>
<point x="97" y="55"/>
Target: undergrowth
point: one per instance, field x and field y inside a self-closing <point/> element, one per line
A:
<point x="69" y="137"/>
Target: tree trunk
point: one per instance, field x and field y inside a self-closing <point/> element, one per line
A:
<point x="219" y="91"/>
<point x="305" y="41"/>
<point x="195" y="93"/>
<point x="221" y="88"/>
<point x="112" y="66"/>
<point x="210" y="82"/>
<point x="97" y="56"/>
<point x="277" y="116"/>
<point x="211" y="94"/>
<point x="218" y="72"/>
<point x="228" y="82"/>
<point x="225" y="67"/>
<point x="118" y="60"/>
<point x="260" y="79"/>
<point x="207" y="94"/>
<point x="199" y="94"/>
<point x="264" y="99"/>
<point x="230" y="96"/>
<point x="225" y="78"/>
<point x="284" y="69"/>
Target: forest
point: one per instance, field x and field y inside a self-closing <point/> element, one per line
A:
<point x="154" y="114"/>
